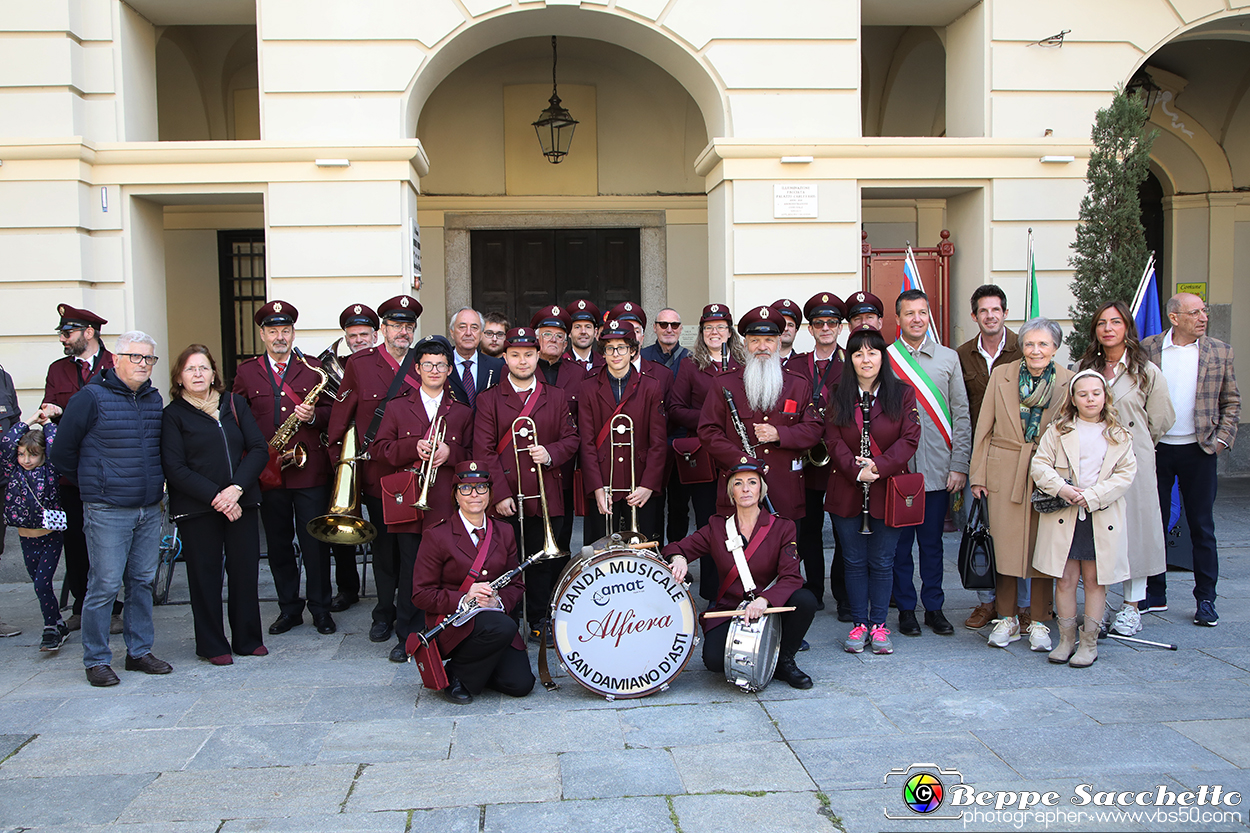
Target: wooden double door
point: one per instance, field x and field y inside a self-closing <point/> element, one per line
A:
<point x="519" y="271"/>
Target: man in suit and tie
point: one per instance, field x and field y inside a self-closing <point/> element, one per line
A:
<point x="1199" y="370"/>
<point x="85" y="356"/>
<point x="473" y="371"/>
<point x="276" y="385"/>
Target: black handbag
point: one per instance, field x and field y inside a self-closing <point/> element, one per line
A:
<point x="1045" y="504"/>
<point x="976" y="551"/>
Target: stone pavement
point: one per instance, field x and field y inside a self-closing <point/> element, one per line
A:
<point x="326" y="735"/>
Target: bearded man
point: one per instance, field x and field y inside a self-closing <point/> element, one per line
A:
<point x="775" y="411"/>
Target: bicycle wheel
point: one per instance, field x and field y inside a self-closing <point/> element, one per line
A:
<point x="171" y="547"/>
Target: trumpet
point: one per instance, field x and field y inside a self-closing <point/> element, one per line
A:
<point x="619" y="426"/>
<point x="524" y="430"/>
<point x="429" y="471"/>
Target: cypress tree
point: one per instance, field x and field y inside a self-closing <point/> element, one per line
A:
<point x="1110" y="248"/>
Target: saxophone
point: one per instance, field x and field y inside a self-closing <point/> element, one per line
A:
<point x="281" y="457"/>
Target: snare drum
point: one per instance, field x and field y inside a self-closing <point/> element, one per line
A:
<point x="751" y="650"/>
<point x="623" y="626"/>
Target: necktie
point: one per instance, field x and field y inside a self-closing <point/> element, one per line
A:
<point x="525" y="396"/>
<point x="84" y="369"/>
<point x="479" y="534"/>
<point x="281" y="368"/>
<point x="470" y="389"/>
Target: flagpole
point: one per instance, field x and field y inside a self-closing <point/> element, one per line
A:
<point x="1140" y="295"/>
<point x="1029" y="312"/>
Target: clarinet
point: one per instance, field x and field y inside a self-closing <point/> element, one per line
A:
<point x="742" y="436"/>
<point x="865" y="450"/>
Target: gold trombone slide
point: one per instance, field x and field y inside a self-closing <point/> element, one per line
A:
<point x="525" y="431"/>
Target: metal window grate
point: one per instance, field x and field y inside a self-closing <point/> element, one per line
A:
<point x="241" y="259"/>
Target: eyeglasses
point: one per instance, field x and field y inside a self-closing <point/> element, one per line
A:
<point x="434" y="367"/>
<point x="402" y="327"/>
<point x="556" y="337"/>
<point x="822" y="323"/>
<point x="140" y="358"/>
<point x="668" y="325"/>
<point x="1204" y="311"/>
<point x="715" y="328"/>
<point x="616" y="349"/>
<point x="467" y="489"/>
<point x="494" y="333"/>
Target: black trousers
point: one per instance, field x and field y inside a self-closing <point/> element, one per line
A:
<point x="204" y="537"/>
<point x="650" y="518"/>
<point x="1195" y="471"/>
<point x="385" y="563"/>
<point x="285" y="514"/>
<point x="811" y="545"/>
<point x="837" y="570"/>
<point x="703" y="499"/>
<point x="346" y="574"/>
<point x="794" y="627"/>
<point x="408" y="618"/>
<point x="540" y="579"/>
<point x="677" y="504"/>
<point x="486" y="657"/>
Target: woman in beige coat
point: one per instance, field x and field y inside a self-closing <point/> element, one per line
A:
<point x="1021" y="400"/>
<point x="1139" y="393"/>
<point x="1086" y="458"/>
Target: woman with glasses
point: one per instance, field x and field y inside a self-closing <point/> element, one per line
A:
<point x="406" y="442"/>
<point x="213" y="452"/>
<point x="459" y="558"/>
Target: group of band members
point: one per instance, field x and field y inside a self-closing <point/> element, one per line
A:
<point x="566" y="400"/>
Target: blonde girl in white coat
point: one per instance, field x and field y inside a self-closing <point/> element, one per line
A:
<point x="1085" y="457"/>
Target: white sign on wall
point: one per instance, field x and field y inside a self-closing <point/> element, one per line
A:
<point x="415" y="246"/>
<point x="794" y="200"/>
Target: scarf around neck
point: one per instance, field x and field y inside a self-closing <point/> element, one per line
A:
<point x="1035" y="392"/>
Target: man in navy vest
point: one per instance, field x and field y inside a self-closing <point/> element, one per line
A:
<point x="109" y="444"/>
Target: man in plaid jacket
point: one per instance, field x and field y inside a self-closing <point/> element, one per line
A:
<point x="1199" y="371"/>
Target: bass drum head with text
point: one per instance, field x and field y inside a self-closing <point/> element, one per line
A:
<point x="623" y="626"/>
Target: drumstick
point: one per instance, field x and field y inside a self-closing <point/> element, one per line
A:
<point x="725" y="614"/>
<point x="642" y="545"/>
<point x="1167" y="645"/>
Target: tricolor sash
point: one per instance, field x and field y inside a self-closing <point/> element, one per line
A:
<point x="927" y="393"/>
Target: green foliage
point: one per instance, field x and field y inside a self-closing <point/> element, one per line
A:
<point x="1110" y="248"/>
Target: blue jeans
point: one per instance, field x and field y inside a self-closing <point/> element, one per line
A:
<point x="124" y="542"/>
<point x="929" y="536"/>
<point x="869" y="563"/>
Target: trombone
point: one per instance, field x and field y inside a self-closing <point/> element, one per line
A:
<point x="524" y="430"/>
<point x="438" y="430"/>
<point x="618" y="427"/>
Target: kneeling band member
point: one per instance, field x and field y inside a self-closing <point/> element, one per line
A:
<point x="458" y="559"/>
<point x="771" y="556"/>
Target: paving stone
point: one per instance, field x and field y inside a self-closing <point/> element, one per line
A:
<point x="624" y="772"/>
<point x="26" y="802"/>
<point x="261" y="745"/>
<point x="853" y="676"/>
<point x="678" y="725"/>
<point x="1230" y="739"/>
<point x="1154" y="665"/>
<point x="322" y="673"/>
<point x="336" y="823"/>
<point x="206" y="826"/>
<point x="379" y="741"/>
<point x="105" y="753"/>
<point x="828" y="716"/>
<point x="518" y="734"/>
<point x="68" y="680"/>
<point x="863" y="762"/>
<point x="10" y="744"/>
<point x="620" y="815"/>
<point x="1237" y="657"/>
<point x="111" y="712"/>
<point x="277" y="792"/>
<point x="230" y="708"/>
<point x="791" y="812"/>
<point x="740" y="767"/>
<point x="1132" y="703"/>
<point x="427" y="784"/>
<point x="360" y="703"/>
<point x="431" y="704"/>
<point x="996" y="668"/>
<point x="1030" y="750"/>
<point x="925" y="712"/>
<point x="446" y="820"/>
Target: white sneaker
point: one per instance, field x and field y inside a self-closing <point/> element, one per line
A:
<point x="1039" y="637"/>
<point x="1127" y="621"/>
<point x="1006" y="630"/>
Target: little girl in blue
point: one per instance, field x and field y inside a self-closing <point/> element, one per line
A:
<point x="33" y="489"/>
<point x="1085" y="457"/>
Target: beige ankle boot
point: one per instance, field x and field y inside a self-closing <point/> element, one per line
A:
<point x="1067" y="641"/>
<point x="1087" y="651"/>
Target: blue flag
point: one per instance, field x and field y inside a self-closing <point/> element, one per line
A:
<point x="1149" y="320"/>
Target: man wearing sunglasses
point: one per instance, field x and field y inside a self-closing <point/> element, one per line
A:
<point x="109" y="444"/>
<point x="407" y="443"/>
<point x="85" y="356"/>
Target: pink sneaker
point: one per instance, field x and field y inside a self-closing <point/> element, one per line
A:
<point x="881" y="643"/>
<point x="855" y="642"/>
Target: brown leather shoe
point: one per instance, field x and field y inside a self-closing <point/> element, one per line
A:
<point x="1026" y="618"/>
<point x="102" y="675"/>
<point x="981" y="616"/>
<point x="74" y="622"/>
<point x="148" y="664"/>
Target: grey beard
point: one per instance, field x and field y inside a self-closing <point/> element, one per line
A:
<point x="762" y="379"/>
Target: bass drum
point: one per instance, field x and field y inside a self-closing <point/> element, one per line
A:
<point x="751" y="650"/>
<point x="623" y="626"/>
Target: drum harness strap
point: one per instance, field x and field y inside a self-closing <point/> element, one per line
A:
<point x="734" y="542"/>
